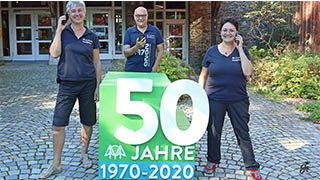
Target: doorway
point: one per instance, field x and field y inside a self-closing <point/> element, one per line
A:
<point x="32" y="35"/>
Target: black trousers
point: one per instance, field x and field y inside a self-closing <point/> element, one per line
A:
<point x="69" y="92"/>
<point x="239" y="116"/>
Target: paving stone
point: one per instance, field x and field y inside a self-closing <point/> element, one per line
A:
<point x="28" y="95"/>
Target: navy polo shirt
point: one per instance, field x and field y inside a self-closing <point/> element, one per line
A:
<point x="226" y="81"/>
<point x="144" y="59"/>
<point x="76" y="60"/>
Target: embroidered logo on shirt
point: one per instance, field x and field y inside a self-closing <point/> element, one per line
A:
<point x="151" y="36"/>
<point x="87" y="41"/>
<point x="236" y="59"/>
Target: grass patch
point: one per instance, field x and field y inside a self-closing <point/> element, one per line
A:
<point x="313" y="108"/>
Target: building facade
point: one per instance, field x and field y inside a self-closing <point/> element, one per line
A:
<point x="28" y="26"/>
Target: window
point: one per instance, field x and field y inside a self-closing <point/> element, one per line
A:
<point x="29" y="4"/>
<point x="162" y="11"/>
<point x="175" y="5"/>
<point x="118" y="31"/>
<point x="98" y="3"/>
<point x="5" y="33"/>
<point x="117" y="3"/>
<point x="4" y="4"/>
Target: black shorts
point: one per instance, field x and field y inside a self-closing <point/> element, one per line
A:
<point x="69" y="92"/>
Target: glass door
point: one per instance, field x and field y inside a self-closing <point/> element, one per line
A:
<point x="33" y="35"/>
<point x="175" y="39"/>
<point x="23" y="35"/>
<point x="43" y="34"/>
<point x="99" y="22"/>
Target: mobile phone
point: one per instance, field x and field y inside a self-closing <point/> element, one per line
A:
<point x="237" y="41"/>
<point x="65" y="21"/>
<point x="141" y="36"/>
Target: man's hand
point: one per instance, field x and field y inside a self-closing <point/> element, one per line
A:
<point x="141" y="43"/>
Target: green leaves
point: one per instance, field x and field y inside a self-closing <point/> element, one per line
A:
<point x="313" y="108"/>
<point x="175" y="68"/>
<point x="291" y="73"/>
<point x="270" y="23"/>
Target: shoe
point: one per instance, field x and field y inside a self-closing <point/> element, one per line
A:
<point x="87" y="163"/>
<point x="255" y="174"/>
<point x="52" y="170"/>
<point x="210" y="167"/>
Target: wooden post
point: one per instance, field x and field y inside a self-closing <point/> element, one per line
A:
<point x="215" y="6"/>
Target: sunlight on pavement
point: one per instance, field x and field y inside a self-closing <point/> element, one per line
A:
<point x="291" y="143"/>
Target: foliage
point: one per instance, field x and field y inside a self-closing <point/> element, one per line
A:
<point x="2" y="62"/>
<point x="172" y="66"/>
<point x="313" y="108"/>
<point x="121" y="64"/>
<point x="175" y="68"/>
<point x="291" y="73"/>
<point x="269" y="23"/>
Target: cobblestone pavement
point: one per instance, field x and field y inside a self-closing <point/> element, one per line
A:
<point x="282" y="142"/>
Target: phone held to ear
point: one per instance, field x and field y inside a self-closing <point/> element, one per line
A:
<point x="141" y="36"/>
<point x="65" y="21"/>
<point x="237" y="41"/>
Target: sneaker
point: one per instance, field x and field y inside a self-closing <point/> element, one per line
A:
<point x="255" y="174"/>
<point x="210" y="167"/>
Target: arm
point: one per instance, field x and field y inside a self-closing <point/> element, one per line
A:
<point x="159" y="56"/>
<point x="97" y="67"/>
<point x="55" y="47"/>
<point x="203" y="77"/>
<point x="246" y="65"/>
<point x="129" y="51"/>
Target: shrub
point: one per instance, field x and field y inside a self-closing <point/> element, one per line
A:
<point x="175" y="68"/>
<point x="313" y="108"/>
<point x="172" y="66"/>
<point x="291" y="73"/>
<point x="2" y="62"/>
<point x="121" y="64"/>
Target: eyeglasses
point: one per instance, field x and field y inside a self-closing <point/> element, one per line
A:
<point x="140" y="16"/>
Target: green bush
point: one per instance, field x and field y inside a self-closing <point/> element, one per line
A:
<point x="313" y="108"/>
<point x="291" y="73"/>
<point x="121" y="64"/>
<point x="2" y="62"/>
<point x="175" y="68"/>
<point x="172" y="66"/>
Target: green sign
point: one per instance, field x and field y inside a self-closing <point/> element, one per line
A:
<point x="141" y="135"/>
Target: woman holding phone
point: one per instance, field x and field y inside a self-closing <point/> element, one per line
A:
<point x="225" y="70"/>
<point x="78" y="75"/>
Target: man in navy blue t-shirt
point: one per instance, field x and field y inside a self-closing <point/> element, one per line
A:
<point x="141" y="52"/>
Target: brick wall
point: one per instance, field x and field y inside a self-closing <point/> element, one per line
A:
<point x="199" y="32"/>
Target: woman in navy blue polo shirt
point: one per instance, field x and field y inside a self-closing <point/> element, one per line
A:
<point x="79" y="74"/>
<point x="225" y="70"/>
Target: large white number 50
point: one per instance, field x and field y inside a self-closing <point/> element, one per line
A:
<point x="167" y="112"/>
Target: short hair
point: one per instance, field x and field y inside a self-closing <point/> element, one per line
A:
<point x="71" y="3"/>
<point x="231" y="20"/>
